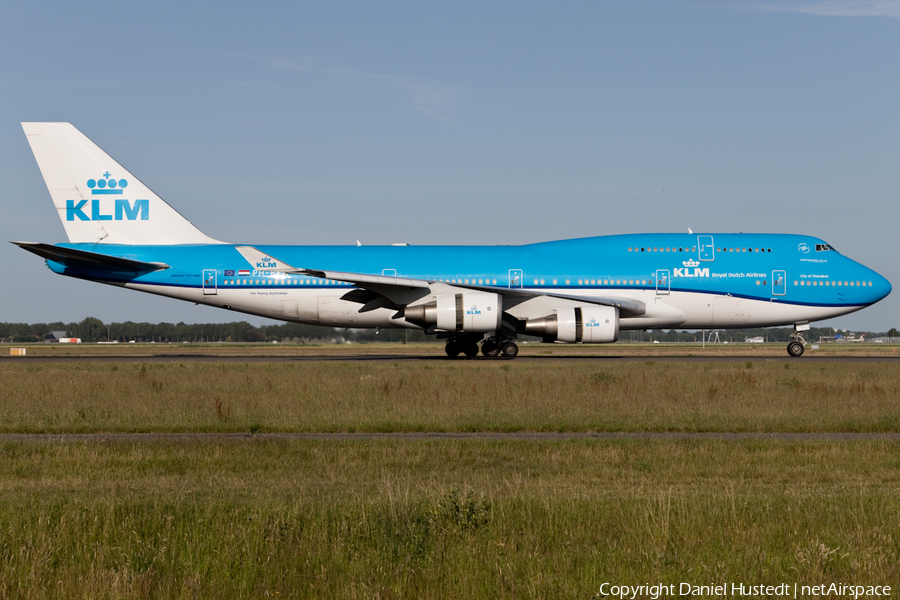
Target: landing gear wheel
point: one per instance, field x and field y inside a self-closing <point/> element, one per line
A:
<point x="452" y="349"/>
<point x="471" y="350"/>
<point x="795" y="349"/>
<point x="490" y="348"/>
<point x="509" y="349"/>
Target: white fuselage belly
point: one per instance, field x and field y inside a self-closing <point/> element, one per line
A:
<point x="683" y="310"/>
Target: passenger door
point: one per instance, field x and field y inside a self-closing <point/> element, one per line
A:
<point x="779" y="283"/>
<point x="209" y="282"/>
<point x="662" y="281"/>
<point x="516" y="278"/>
<point x="705" y="247"/>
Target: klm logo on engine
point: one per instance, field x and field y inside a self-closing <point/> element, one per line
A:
<point x="691" y="269"/>
<point x="267" y="263"/>
<point x="119" y="210"/>
<point x="473" y="311"/>
<point x="592" y="323"/>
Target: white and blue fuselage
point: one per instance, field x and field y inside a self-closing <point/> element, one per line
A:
<point x="744" y="280"/>
<point x="580" y="290"/>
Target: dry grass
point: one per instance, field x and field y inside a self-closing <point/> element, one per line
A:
<point x="394" y="519"/>
<point x="603" y="395"/>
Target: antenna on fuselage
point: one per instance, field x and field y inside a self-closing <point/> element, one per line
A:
<point x="690" y="231"/>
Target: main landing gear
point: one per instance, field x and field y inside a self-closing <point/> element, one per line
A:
<point x="491" y="347"/>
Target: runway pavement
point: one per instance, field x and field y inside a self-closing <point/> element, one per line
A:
<point x="164" y="358"/>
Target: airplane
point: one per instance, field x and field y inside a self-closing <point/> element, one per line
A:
<point x="584" y="290"/>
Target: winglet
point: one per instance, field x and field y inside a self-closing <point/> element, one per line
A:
<point x="265" y="262"/>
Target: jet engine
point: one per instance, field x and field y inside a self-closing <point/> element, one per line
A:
<point x="582" y="324"/>
<point x="470" y="312"/>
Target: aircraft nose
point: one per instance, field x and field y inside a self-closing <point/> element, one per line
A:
<point x="879" y="288"/>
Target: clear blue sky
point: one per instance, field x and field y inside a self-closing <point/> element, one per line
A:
<point x="458" y="123"/>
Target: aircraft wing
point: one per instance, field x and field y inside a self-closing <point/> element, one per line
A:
<point x="89" y="260"/>
<point x="378" y="291"/>
<point x="400" y="292"/>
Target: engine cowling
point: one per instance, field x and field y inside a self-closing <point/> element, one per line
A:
<point x="582" y="324"/>
<point x="470" y="312"/>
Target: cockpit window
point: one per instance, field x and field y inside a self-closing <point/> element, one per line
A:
<point x="823" y="247"/>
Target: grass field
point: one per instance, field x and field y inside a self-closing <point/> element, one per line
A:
<point x="491" y="395"/>
<point x="392" y="519"/>
<point x="387" y="518"/>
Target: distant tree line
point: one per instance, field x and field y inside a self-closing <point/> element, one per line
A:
<point x="94" y="330"/>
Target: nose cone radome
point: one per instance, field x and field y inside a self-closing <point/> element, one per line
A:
<point x="880" y="287"/>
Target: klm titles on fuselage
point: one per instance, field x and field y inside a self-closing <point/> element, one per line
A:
<point x="691" y="269"/>
<point x="123" y="210"/>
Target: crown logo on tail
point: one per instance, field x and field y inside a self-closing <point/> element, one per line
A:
<point x="107" y="185"/>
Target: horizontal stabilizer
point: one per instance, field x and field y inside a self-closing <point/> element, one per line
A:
<point x="89" y="260"/>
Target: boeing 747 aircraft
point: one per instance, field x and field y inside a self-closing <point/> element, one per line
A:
<point x="575" y="291"/>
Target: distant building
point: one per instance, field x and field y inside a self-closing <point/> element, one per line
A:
<point x="59" y="337"/>
<point x="755" y="340"/>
